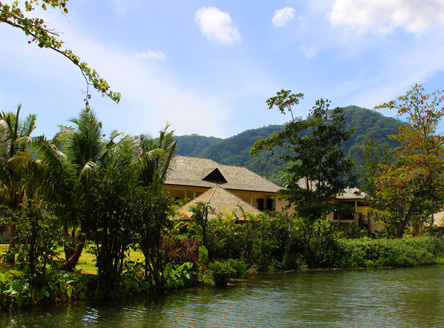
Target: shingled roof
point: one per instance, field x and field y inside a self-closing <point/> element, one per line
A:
<point x="220" y="200"/>
<point x="352" y="193"/>
<point x="204" y="172"/>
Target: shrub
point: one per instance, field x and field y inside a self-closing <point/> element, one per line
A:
<point x="58" y="287"/>
<point x="224" y="271"/>
<point x="239" y="267"/>
<point x="359" y="253"/>
<point x="203" y="255"/>
<point x="179" y="276"/>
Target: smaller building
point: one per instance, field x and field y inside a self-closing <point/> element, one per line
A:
<point x="356" y="200"/>
<point x="220" y="201"/>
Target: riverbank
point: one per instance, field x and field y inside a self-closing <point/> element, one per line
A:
<point x="62" y="287"/>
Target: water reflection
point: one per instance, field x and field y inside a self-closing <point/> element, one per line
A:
<point x="362" y="298"/>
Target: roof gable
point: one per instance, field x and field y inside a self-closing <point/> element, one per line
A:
<point x="213" y="175"/>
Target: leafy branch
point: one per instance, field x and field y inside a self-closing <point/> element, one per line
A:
<point x="44" y="37"/>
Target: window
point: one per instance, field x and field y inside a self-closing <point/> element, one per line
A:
<point x="270" y="204"/>
<point x="260" y="204"/>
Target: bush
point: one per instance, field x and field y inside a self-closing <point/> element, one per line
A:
<point x="179" y="276"/>
<point x="224" y="271"/>
<point x="203" y="255"/>
<point x="58" y="287"/>
<point x="239" y="267"/>
<point x="362" y="253"/>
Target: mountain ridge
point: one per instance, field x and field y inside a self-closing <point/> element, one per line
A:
<point x="235" y="150"/>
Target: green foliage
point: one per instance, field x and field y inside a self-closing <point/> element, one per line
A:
<point x="14" y="140"/>
<point x="57" y="287"/>
<point x="149" y="221"/>
<point x="109" y="190"/>
<point x="316" y="168"/>
<point x="355" y="231"/>
<point x="36" y="242"/>
<point x="368" y="124"/>
<point x="262" y="240"/>
<point x="200" y="217"/>
<point x="239" y="267"/>
<point x="36" y="28"/>
<point x="203" y="255"/>
<point x="362" y="253"/>
<point x="221" y="273"/>
<point x="179" y="276"/>
<point x="313" y="244"/>
<point x="411" y="188"/>
<point x="133" y="280"/>
<point x="192" y="145"/>
<point x="277" y="242"/>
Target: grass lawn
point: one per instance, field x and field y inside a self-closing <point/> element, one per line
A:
<point x="86" y="262"/>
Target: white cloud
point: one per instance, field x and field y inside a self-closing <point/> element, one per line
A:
<point x="153" y="54"/>
<point x="309" y="51"/>
<point x="152" y="96"/>
<point x="282" y="16"/>
<point x="216" y="25"/>
<point x="383" y="16"/>
<point x="123" y="7"/>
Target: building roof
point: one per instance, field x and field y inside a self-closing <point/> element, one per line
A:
<point x="348" y="193"/>
<point x="204" y="172"/>
<point x="220" y="200"/>
<point x="438" y="219"/>
<point x="351" y="193"/>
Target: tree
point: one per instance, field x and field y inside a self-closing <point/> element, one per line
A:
<point x="316" y="168"/>
<point x="151" y="159"/>
<point x="200" y="217"/>
<point x="45" y="37"/>
<point x="37" y="235"/>
<point x="412" y="188"/>
<point x="14" y="138"/>
<point x="372" y="156"/>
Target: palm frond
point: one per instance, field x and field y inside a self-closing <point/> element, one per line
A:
<point x="88" y="171"/>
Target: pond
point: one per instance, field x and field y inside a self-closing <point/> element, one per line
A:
<point x="411" y="297"/>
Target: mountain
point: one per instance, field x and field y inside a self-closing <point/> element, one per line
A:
<point x="235" y="150"/>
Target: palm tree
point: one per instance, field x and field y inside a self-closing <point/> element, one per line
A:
<point x="36" y="165"/>
<point x="151" y="161"/>
<point x="87" y="154"/>
<point x="152" y="158"/>
<point x="14" y="138"/>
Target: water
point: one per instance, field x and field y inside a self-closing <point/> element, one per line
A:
<point x="411" y="297"/>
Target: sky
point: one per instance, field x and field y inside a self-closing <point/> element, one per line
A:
<point x="208" y="67"/>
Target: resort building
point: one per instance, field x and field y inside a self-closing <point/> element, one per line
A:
<point x="226" y="187"/>
<point x="196" y="179"/>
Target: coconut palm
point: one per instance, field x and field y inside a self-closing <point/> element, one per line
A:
<point x="87" y="153"/>
<point x="152" y="158"/>
<point x="14" y="138"/>
<point x="36" y="165"/>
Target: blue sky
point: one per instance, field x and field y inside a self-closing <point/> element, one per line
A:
<point x="208" y="67"/>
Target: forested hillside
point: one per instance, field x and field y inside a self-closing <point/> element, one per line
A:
<point x="235" y="150"/>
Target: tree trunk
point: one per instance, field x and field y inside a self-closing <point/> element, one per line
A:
<point x="11" y="259"/>
<point x="406" y="220"/>
<point x="71" y="263"/>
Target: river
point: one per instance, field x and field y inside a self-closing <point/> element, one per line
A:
<point x="407" y="297"/>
